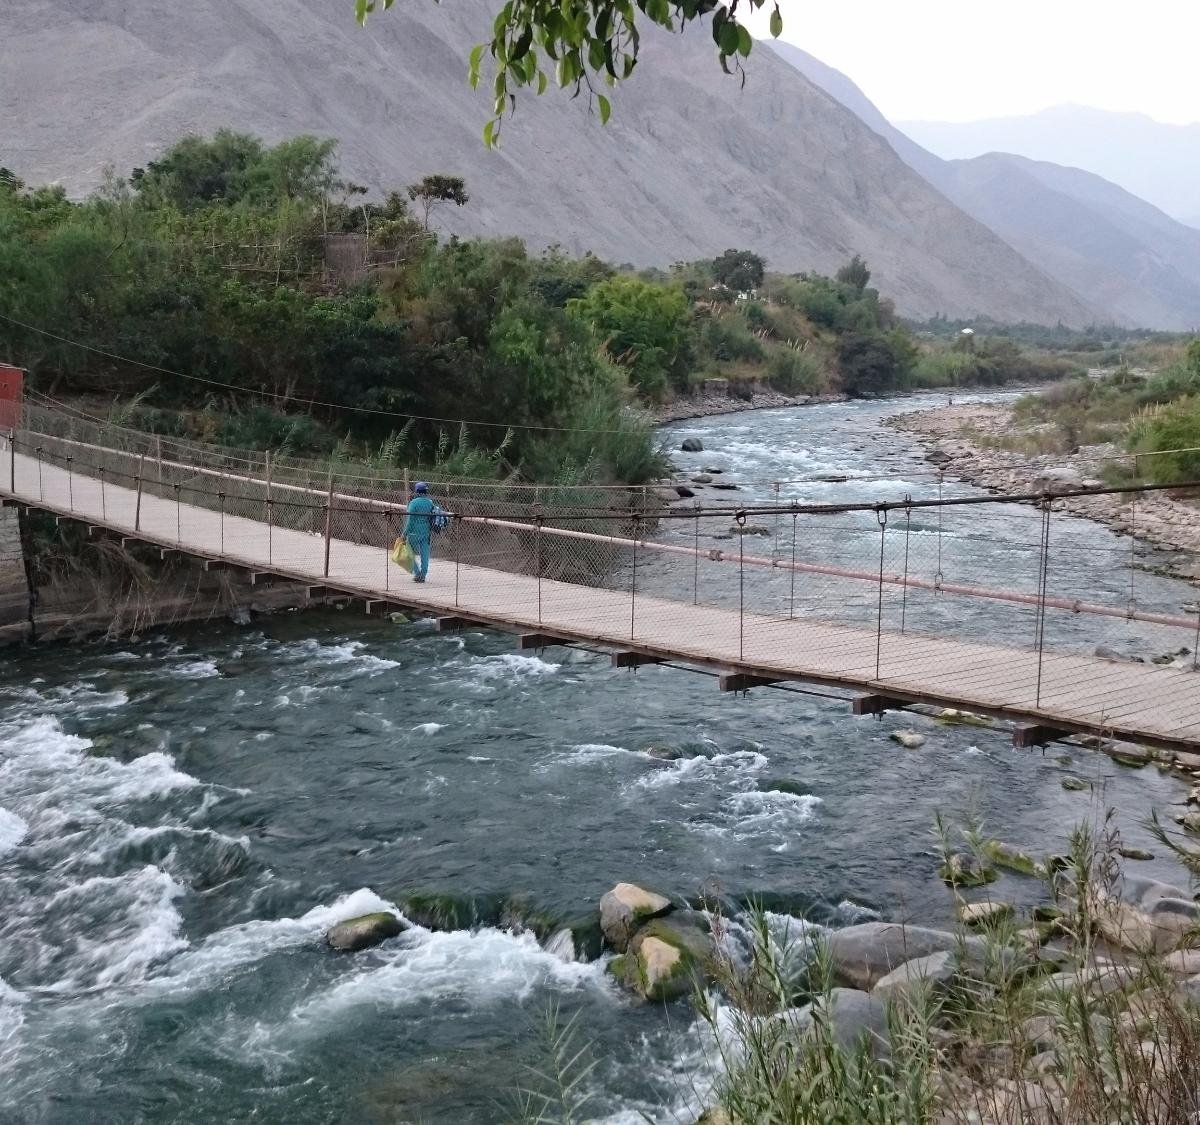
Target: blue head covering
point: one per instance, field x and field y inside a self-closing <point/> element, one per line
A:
<point x="420" y="486"/>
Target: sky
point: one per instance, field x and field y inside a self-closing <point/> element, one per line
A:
<point x="963" y="60"/>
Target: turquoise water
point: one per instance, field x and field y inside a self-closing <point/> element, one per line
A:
<point x="185" y="814"/>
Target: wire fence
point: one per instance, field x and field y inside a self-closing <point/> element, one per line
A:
<point x="1014" y="572"/>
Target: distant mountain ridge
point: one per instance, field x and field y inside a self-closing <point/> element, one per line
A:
<point x="689" y="165"/>
<point x="1158" y="162"/>
<point x="1122" y="255"/>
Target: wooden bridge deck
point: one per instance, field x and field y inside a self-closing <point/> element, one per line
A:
<point x="1145" y="703"/>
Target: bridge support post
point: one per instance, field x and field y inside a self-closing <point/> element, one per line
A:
<point x="137" y="512"/>
<point x="742" y="681"/>
<point x="874" y="704"/>
<point x="328" y="524"/>
<point x="537" y="640"/>
<point x="1035" y="734"/>
<point x="634" y="659"/>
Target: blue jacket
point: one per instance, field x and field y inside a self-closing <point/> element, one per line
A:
<point x="418" y="526"/>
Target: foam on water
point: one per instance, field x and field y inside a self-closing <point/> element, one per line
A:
<point x="194" y="670"/>
<point x="472" y="968"/>
<point x="12" y="831"/>
<point x="512" y="665"/>
<point x="211" y="962"/>
<point x="429" y="728"/>
<point x="345" y="653"/>
<point x="770" y="813"/>
<point x="690" y="771"/>
<point x="587" y="752"/>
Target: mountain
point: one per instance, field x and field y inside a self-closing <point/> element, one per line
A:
<point x="689" y="164"/>
<point x="1158" y="162"/>
<point x="1124" y="256"/>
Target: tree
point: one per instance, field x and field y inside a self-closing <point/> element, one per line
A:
<point x="740" y="270"/>
<point x="854" y="274"/>
<point x="872" y="364"/>
<point x="643" y="326"/>
<point x="584" y="41"/>
<point x="435" y="189"/>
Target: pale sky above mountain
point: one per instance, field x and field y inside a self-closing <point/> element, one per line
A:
<point x="962" y="60"/>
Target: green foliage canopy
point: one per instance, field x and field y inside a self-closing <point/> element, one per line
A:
<point x="582" y="43"/>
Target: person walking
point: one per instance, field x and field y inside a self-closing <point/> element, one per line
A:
<point x="418" y="528"/>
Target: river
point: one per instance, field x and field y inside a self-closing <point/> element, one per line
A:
<point x="183" y="815"/>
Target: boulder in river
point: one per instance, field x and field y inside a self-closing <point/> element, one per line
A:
<point x="692" y="445"/>
<point x="683" y="491"/>
<point x="625" y="908"/>
<point x="702" y="478"/>
<point x="984" y="913"/>
<point x="668" y="957"/>
<point x="1012" y="859"/>
<point x="862" y="955"/>
<point x="363" y="932"/>
<point x="965" y="870"/>
<point x="909" y="739"/>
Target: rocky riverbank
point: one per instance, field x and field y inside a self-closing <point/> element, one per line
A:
<point x="1000" y="1021"/>
<point x="708" y="403"/>
<point x="959" y="440"/>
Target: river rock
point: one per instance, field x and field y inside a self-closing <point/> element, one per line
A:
<point x="701" y="478"/>
<point x="1012" y="859"/>
<point x="624" y="909"/>
<point x="965" y="870"/>
<point x="748" y="528"/>
<point x="1183" y="962"/>
<point x="1127" y="852"/>
<point x="715" y="472"/>
<point x="363" y="932"/>
<point x="668" y="957"/>
<point x="683" y="491"/>
<point x="1058" y="479"/>
<point x="1076" y="784"/>
<point x="862" y="955"/>
<point x="983" y="913"/>
<point x="909" y="739"/>
<point x="692" y="445"/>
<point x="1144" y="928"/>
<point x="663" y="752"/>
<point x="934" y="973"/>
<point x="850" y="1014"/>
<point x="956" y="717"/>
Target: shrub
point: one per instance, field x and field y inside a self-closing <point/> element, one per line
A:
<point x="1175" y="426"/>
<point x="796" y="372"/>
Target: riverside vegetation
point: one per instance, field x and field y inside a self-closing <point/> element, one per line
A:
<point x="207" y="292"/>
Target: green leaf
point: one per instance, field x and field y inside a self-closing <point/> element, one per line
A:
<point x="776" y="24"/>
<point x="473" y="68"/>
<point x="502" y="18"/>
<point x="744" y="41"/>
<point x="543" y="82"/>
<point x="605" y="108"/>
<point x="489" y="135"/>
<point x="728" y="41"/>
<point x="361" y="8"/>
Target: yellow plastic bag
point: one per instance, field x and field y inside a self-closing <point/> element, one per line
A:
<point x="402" y="555"/>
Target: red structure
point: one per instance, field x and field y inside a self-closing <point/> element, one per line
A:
<point x="11" y="381"/>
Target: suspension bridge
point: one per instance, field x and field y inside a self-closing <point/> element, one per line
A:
<point x="993" y="605"/>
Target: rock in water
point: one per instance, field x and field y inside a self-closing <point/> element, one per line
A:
<point x="983" y="913"/>
<point x="625" y="908"/>
<point x="692" y="445"/>
<point x="668" y="957"/>
<point x="909" y="739"/>
<point x="963" y="870"/>
<point x="363" y="932"/>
